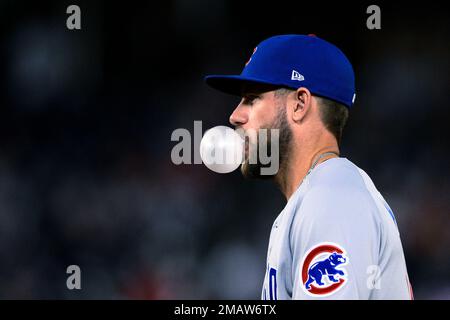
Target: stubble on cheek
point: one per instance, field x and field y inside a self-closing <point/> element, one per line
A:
<point x="251" y="167"/>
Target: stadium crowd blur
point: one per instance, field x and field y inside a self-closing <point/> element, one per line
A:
<point x="86" y="118"/>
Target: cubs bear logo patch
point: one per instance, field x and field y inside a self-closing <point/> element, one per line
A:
<point x="322" y="269"/>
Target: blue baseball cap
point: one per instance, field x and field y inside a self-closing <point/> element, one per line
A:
<point x="295" y="61"/>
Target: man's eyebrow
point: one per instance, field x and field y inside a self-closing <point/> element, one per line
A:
<point x="251" y="90"/>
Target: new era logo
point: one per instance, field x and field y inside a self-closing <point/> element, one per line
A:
<point x="297" y="76"/>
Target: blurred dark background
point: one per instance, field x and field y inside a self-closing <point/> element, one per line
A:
<point x="86" y="118"/>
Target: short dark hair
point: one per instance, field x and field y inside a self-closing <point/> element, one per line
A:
<point x="334" y="116"/>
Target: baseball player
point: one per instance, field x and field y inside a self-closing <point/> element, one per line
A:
<point x="337" y="237"/>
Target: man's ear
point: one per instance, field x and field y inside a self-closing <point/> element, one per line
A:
<point x="302" y="104"/>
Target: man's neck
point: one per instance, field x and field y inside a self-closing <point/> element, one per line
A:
<point x="298" y="164"/>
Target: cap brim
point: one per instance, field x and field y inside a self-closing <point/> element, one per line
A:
<point x="232" y="84"/>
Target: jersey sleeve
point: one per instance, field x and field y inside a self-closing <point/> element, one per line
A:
<point x="335" y="241"/>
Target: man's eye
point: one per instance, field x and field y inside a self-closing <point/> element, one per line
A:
<point x="250" y="99"/>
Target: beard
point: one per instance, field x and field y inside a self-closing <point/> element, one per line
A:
<point x="253" y="170"/>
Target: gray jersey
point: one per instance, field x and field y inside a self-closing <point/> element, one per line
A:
<point x="336" y="239"/>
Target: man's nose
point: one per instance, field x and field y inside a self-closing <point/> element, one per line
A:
<point x="239" y="116"/>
